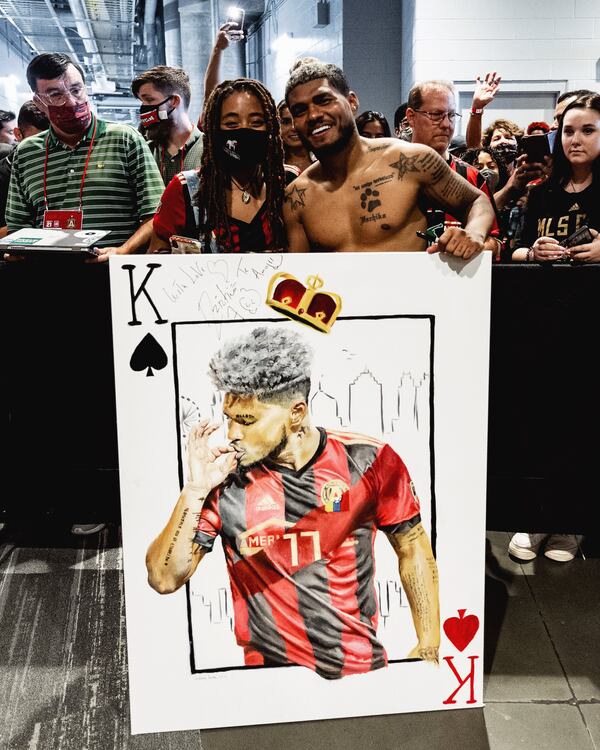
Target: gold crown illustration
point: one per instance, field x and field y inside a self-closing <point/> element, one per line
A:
<point x="306" y="304"/>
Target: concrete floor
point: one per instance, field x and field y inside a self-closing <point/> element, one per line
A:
<point x="542" y="661"/>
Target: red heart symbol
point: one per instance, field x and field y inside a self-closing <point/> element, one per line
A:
<point x="461" y="630"/>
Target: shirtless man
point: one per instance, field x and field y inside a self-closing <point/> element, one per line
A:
<point x="361" y="195"/>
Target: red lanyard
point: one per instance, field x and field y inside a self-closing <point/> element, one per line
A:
<point x="162" y="161"/>
<point x="85" y="168"/>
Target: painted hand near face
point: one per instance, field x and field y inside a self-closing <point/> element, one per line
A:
<point x="208" y="466"/>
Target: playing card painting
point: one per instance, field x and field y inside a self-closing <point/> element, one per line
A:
<point x="296" y="510"/>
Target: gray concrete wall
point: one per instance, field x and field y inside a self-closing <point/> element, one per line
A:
<point x="372" y="42"/>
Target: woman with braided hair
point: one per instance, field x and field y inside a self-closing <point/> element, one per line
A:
<point x="233" y="203"/>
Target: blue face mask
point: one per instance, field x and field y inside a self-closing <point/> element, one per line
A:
<point x="551" y="138"/>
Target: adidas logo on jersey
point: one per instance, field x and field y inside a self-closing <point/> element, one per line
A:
<point x="266" y="503"/>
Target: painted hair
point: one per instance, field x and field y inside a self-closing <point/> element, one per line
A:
<point x="272" y="364"/>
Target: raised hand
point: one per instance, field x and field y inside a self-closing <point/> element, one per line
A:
<point x="208" y="467"/>
<point x="485" y="90"/>
<point x="228" y="33"/>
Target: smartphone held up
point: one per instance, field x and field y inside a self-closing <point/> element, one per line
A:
<point x="234" y="25"/>
<point x="536" y="147"/>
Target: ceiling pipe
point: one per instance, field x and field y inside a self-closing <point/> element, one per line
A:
<point x="61" y="28"/>
<point x="214" y="17"/>
<point x="149" y="24"/>
<point x="6" y="17"/>
<point x="86" y="32"/>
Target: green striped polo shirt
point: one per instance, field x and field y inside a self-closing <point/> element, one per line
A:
<point x="122" y="185"/>
<point x="189" y="156"/>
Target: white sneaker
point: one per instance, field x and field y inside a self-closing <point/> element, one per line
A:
<point x="525" y="546"/>
<point x="562" y="547"/>
<point x="85" y="529"/>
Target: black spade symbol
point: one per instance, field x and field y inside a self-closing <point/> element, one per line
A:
<point x="148" y="354"/>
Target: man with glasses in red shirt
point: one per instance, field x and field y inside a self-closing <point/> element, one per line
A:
<point x="432" y="115"/>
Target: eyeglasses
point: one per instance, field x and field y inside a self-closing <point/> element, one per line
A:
<point x="59" y="98"/>
<point x="437" y="117"/>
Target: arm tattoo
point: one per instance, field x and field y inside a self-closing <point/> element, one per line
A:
<point x="175" y="535"/>
<point x="457" y="190"/>
<point x="295" y="198"/>
<point x="418" y="599"/>
<point x="430" y="163"/>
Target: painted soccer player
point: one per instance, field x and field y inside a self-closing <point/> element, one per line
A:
<point x="297" y="508"/>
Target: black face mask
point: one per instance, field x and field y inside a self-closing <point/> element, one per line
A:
<point x="150" y="114"/>
<point x="504" y="154"/>
<point x="243" y="147"/>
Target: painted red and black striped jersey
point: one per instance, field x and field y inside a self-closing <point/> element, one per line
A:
<point x="299" y="551"/>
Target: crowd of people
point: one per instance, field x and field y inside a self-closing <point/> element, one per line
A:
<point x="255" y="176"/>
<point x="267" y="188"/>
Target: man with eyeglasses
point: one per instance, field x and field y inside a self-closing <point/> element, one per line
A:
<point x="432" y="115"/>
<point x="81" y="173"/>
<point x="84" y="172"/>
<point x="369" y="188"/>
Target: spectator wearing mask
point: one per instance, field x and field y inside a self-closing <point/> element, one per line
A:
<point x="240" y="184"/>
<point x="175" y="142"/>
<point x="371" y="124"/>
<point x="432" y="114"/>
<point x="83" y="172"/>
<point x="501" y="140"/>
<point x="297" y="156"/>
<point x="402" y="128"/>
<point x="30" y="121"/>
<point x="483" y="161"/>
